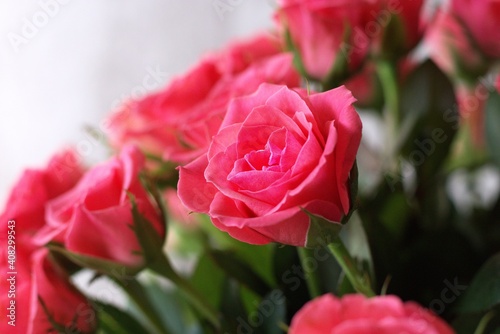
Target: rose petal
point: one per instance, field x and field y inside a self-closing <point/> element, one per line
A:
<point x="348" y="127"/>
<point x="193" y="189"/>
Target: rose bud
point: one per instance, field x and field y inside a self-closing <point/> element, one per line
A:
<point x="94" y="219"/>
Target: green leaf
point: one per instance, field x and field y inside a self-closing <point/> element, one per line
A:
<point x="321" y="231"/>
<point x="358" y="246"/>
<point x="353" y="192"/>
<point x="173" y="309"/>
<point x="113" y="320"/>
<point x="150" y="241"/>
<point x="479" y="323"/>
<point x="208" y="278"/>
<point x="272" y="313"/>
<point x="239" y="270"/>
<point x="428" y="102"/>
<point x="483" y="294"/>
<point x="290" y="278"/>
<point x="258" y="258"/>
<point x="492" y="126"/>
<point x="106" y="267"/>
<point x="152" y="188"/>
<point x="235" y="316"/>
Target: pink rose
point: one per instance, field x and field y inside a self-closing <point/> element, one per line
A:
<point x="27" y="200"/>
<point x="338" y="35"/>
<point x="401" y="25"/>
<point x="67" y="306"/>
<point x="278" y="152"/>
<point x="498" y="83"/>
<point x="451" y="48"/>
<point x="328" y="32"/>
<point x="365" y="87"/>
<point x="178" y="122"/>
<point x="39" y="277"/>
<point x="94" y="217"/>
<point x="482" y="19"/>
<point x="356" y="314"/>
<point x="22" y="218"/>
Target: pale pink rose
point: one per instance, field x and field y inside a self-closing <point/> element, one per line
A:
<point x="178" y="122"/>
<point x="94" y="217"/>
<point x="498" y="83"/>
<point x="451" y="48"/>
<point x="356" y="314"/>
<point x="482" y="19"/>
<point x="278" y="152"/>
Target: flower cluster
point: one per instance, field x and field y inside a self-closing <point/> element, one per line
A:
<point x="316" y="229"/>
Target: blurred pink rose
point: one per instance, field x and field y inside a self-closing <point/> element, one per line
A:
<point x="39" y="277"/>
<point x="27" y="200"/>
<point x="94" y="217"/>
<point x="326" y="32"/>
<point x="67" y="306"/>
<point x="398" y="28"/>
<point x="498" y="83"/>
<point x="178" y="122"/>
<point x="451" y="48"/>
<point x="25" y="209"/>
<point x="279" y="151"/>
<point x="482" y="19"/>
<point x="365" y="87"/>
<point x="356" y="314"/>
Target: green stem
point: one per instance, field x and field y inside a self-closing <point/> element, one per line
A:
<point x="359" y="281"/>
<point x="312" y="278"/>
<point x="387" y="73"/>
<point x="481" y="327"/>
<point x="163" y="267"/>
<point x="138" y="295"/>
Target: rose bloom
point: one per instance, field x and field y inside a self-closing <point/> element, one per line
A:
<point x="327" y="34"/>
<point x="26" y="202"/>
<point x="94" y="217"/>
<point x="67" y="306"/>
<point x="482" y="19"/>
<point x="452" y="49"/>
<point x="278" y="152"/>
<point x="25" y="208"/>
<point x="498" y="83"/>
<point x="356" y="314"/>
<point x="39" y="277"/>
<point x="324" y="31"/>
<point x="365" y="87"/>
<point x="178" y="122"/>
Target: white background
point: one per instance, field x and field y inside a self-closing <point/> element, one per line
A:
<point x="84" y="56"/>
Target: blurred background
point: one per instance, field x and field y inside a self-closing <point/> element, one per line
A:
<point x="65" y="64"/>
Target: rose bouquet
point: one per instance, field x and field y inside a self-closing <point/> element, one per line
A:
<point x="339" y="174"/>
